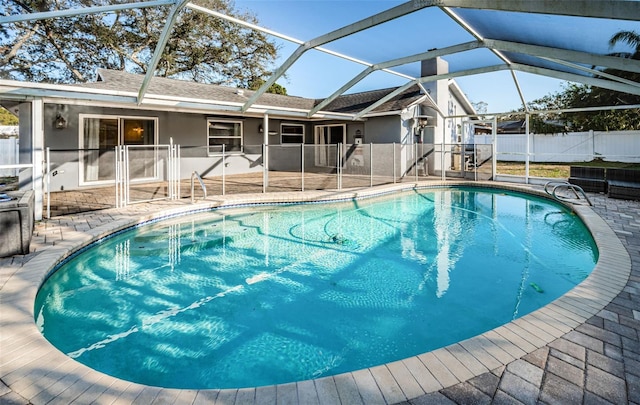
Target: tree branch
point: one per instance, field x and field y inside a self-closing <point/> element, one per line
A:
<point x="63" y="57"/>
<point x="6" y="58"/>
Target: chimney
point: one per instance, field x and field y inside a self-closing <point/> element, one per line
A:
<point x="438" y="90"/>
<point x="431" y="67"/>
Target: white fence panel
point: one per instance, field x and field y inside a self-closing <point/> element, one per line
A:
<point x="9" y="152"/>
<point x="571" y="147"/>
<point x="619" y="146"/>
<point x="511" y="147"/>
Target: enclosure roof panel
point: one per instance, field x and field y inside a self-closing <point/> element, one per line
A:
<point x="369" y="45"/>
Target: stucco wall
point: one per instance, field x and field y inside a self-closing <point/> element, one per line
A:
<point x="186" y="129"/>
<point x="384" y="129"/>
<point x="189" y="130"/>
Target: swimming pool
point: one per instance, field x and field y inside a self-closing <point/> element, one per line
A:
<point x="402" y="266"/>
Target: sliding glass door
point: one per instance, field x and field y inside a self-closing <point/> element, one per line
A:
<point x="99" y="135"/>
<point x="326" y="138"/>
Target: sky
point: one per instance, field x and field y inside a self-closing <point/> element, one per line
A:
<point x="318" y="75"/>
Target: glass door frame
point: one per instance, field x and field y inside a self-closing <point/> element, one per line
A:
<point x="321" y="154"/>
<point x="120" y="141"/>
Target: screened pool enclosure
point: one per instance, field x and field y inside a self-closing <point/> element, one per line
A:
<point x="498" y="44"/>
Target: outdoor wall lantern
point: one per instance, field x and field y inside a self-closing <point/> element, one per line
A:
<point x="61" y="117"/>
<point x="60" y="122"/>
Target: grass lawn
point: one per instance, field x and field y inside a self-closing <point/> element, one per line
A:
<point x="555" y="170"/>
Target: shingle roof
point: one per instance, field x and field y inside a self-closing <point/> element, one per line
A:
<point x="124" y="81"/>
<point x="356" y="102"/>
<point x="349" y="103"/>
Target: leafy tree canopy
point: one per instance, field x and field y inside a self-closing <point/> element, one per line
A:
<point x="275" y="88"/>
<point x="201" y="48"/>
<point x="6" y="118"/>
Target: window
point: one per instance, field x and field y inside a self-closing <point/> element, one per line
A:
<point x="227" y="133"/>
<point x="291" y="133"/>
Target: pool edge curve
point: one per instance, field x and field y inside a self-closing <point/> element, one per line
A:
<point x="42" y="370"/>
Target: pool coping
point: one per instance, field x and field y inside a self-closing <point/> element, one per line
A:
<point x="35" y="370"/>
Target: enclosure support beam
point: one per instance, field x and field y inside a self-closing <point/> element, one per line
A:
<point x="265" y="154"/>
<point x="433" y="78"/>
<point x="607" y="84"/>
<point x="517" y="84"/>
<point x="443" y="174"/>
<point x="372" y="21"/>
<point x="593" y="72"/>
<point x="494" y="145"/>
<point x="162" y="42"/>
<point x="81" y="11"/>
<point x="37" y="125"/>
<point x="611" y="9"/>
<point x="614" y="62"/>
<point x="283" y="36"/>
<point x="392" y="63"/>
<point x="528" y="148"/>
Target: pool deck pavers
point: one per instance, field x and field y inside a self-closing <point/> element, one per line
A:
<point x="583" y="348"/>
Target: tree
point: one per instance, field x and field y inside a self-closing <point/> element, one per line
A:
<point x="590" y="96"/>
<point x="480" y="107"/>
<point x="275" y="88"/>
<point x="630" y="38"/>
<point x="201" y="47"/>
<point x="6" y="118"/>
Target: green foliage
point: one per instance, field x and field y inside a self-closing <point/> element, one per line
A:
<point x="201" y="48"/>
<point x="275" y="88"/>
<point x="6" y="118"/>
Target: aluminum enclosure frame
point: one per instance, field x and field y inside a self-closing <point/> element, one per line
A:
<point x="609" y="9"/>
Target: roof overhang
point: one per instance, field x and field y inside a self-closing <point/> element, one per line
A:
<point x="17" y="91"/>
<point x="515" y="55"/>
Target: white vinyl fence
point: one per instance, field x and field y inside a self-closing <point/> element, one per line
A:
<point x="9" y="152"/>
<point x="615" y="146"/>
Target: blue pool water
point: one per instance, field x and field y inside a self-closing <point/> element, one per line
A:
<point x="274" y="294"/>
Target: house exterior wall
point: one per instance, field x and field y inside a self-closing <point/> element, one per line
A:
<point x="383" y="129"/>
<point x="449" y="135"/>
<point x="189" y="130"/>
<point x="25" y="131"/>
<point x="289" y="157"/>
<point x="356" y="130"/>
<point x="455" y="131"/>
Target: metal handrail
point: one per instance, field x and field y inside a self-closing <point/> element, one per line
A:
<point x="195" y="175"/>
<point x="573" y="187"/>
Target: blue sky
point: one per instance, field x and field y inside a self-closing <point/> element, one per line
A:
<point x="317" y="74"/>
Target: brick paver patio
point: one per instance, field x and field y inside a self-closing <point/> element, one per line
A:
<point x="596" y="360"/>
<point x="596" y="363"/>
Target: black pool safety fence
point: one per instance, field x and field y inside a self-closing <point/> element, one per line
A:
<point x="78" y="180"/>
